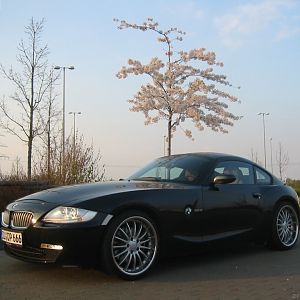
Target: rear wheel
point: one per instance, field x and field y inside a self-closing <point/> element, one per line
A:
<point x="130" y="245"/>
<point x="285" y="227"/>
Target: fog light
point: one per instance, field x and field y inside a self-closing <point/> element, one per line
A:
<point x="51" y="247"/>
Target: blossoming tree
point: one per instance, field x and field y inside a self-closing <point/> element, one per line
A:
<point x="183" y="86"/>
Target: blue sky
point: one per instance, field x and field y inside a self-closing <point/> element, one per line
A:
<point x="258" y="41"/>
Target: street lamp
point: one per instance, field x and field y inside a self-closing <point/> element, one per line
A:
<point x="263" y="114"/>
<point x="271" y="155"/>
<point x="64" y="111"/>
<point x="74" y="128"/>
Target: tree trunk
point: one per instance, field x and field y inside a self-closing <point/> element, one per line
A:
<point x="48" y="152"/>
<point x="29" y="158"/>
<point x="31" y="111"/>
<point x="169" y="134"/>
<point x="30" y="135"/>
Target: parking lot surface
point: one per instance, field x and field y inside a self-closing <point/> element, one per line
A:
<point x="234" y="272"/>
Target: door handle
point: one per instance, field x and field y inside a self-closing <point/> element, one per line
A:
<point x="257" y="195"/>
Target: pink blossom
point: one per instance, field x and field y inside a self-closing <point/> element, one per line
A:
<point x="186" y="86"/>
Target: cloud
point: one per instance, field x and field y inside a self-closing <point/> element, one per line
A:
<point x="250" y="18"/>
<point x="289" y="30"/>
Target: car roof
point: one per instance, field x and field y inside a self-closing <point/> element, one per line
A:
<point x="214" y="156"/>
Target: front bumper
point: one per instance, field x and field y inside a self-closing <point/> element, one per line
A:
<point x="30" y="254"/>
<point x="63" y="243"/>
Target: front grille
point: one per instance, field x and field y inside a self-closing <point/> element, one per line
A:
<point x="21" y="219"/>
<point x="5" y="218"/>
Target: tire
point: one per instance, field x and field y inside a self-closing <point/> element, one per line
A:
<point x="285" y="227"/>
<point x="130" y="245"/>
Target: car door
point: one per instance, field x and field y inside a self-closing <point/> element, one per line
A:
<point x="230" y="209"/>
<point x="177" y="199"/>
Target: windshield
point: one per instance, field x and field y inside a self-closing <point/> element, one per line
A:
<point x="184" y="169"/>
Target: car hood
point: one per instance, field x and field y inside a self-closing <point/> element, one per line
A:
<point x="73" y="194"/>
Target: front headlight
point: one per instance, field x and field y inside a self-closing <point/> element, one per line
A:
<point x="63" y="214"/>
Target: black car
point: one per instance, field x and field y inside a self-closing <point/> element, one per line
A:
<point x="189" y="198"/>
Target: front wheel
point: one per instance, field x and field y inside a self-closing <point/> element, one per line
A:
<point x="285" y="227"/>
<point x="130" y="245"/>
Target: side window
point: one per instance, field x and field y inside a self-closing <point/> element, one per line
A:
<point x="163" y="173"/>
<point x="175" y="172"/>
<point x="241" y="170"/>
<point x="262" y="177"/>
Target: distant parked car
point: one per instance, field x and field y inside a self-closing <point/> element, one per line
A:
<point x="190" y="198"/>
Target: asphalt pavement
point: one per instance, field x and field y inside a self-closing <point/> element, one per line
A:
<point x="232" y="272"/>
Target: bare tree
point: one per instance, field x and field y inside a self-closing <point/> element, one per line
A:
<point x="282" y="160"/>
<point x="180" y="88"/>
<point x="21" y="115"/>
<point x="17" y="173"/>
<point x="254" y="157"/>
<point x="50" y="116"/>
<point x="84" y="164"/>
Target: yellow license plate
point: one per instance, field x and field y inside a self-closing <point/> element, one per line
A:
<point x="11" y="237"/>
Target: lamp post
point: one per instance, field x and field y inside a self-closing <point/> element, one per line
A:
<point x="271" y="155"/>
<point x="64" y="111"/>
<point x="263" y="114"/>
<point x="74" y="128"/>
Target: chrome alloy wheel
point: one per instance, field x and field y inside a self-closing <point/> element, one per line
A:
<point x="287" y="225"/>
<point x="134" y="245"/>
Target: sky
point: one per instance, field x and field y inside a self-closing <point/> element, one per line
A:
<point x="258" y="42"/>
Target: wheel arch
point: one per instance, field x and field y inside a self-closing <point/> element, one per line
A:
<point x="291" y="200"/>
<point x="148" y="210"/>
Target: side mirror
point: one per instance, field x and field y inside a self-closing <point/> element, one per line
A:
<point x="224" y="179"/>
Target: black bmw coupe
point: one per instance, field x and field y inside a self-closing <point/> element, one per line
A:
<point x="189" y="198"/>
